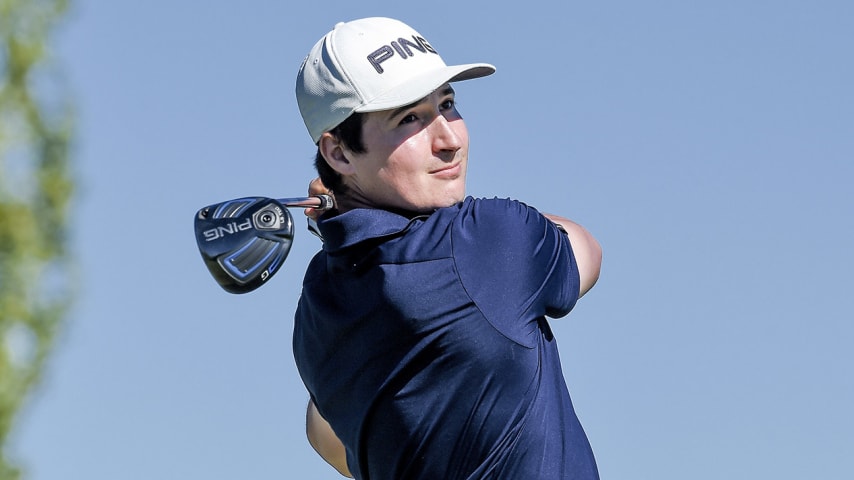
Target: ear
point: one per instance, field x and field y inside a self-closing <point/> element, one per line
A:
<point x="334" y="153"/>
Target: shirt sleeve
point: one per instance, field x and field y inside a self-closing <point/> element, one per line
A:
<point x="515" y="264"/>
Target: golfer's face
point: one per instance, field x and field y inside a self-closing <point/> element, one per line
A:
<point x="416" y="155"/>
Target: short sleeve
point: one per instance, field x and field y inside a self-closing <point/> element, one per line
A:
<point x="515" y="264"/>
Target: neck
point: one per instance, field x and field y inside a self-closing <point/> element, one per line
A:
<point x="345" y="203"/>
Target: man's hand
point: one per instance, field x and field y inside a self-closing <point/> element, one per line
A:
<point x="316" y="187"/>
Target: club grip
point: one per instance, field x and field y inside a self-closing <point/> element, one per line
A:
<point x="326" y="202"/>
<point x="319" y="202"/>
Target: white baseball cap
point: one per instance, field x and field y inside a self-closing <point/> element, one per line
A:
<point x="368" y="65"/>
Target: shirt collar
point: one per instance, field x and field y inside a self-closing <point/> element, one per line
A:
<point x="349" y="228"/>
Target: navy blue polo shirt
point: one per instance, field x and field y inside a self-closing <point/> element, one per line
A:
<point x="424" y="343"/>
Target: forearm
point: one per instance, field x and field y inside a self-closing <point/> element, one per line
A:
<point x="324" y="441"/>
<point x="588" y="252"/>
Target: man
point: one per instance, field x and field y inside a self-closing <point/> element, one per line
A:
<point x="421" y="332"/>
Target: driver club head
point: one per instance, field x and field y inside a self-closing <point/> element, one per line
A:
<point x="245" y="241"/>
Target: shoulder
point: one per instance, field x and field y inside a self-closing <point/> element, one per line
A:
<point x="514" y="263"/>
<point x="492" y="208"/>
<point x="501" y="221"/>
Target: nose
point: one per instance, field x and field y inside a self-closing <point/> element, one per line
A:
<point x="445" y="138"/>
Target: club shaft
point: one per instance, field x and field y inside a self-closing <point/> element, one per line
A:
<point x="319" y="202"/>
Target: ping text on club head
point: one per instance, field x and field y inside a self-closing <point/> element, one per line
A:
<point x="227" y="229"/>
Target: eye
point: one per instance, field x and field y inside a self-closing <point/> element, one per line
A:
<point x="448" y="104"/>
<point x="409" y="118"/>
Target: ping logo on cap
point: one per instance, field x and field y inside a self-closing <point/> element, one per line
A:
<point x="403" y="46"/>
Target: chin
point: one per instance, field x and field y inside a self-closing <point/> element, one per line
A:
<point x="451" y="201"/>
<point x="447" y="198"/>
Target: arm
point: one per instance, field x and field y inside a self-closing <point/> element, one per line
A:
<point x="588" y="253"/>
<point x="324" y="441"/>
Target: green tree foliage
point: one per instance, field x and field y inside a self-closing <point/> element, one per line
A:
<point x="35" y="189"/>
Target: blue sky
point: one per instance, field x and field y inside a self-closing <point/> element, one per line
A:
<point x="709" y="146"/>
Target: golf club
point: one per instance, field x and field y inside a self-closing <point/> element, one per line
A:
<point x="244" y="241"/>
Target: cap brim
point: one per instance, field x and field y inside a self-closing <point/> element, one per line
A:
<point x="423" y="85"/>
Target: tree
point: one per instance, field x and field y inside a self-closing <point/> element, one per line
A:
<point x="35" y="191"/>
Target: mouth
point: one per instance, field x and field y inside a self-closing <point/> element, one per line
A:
<point x="448" y="171"/>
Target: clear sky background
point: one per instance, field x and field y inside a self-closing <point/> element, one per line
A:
<point x="708" y="145"/>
